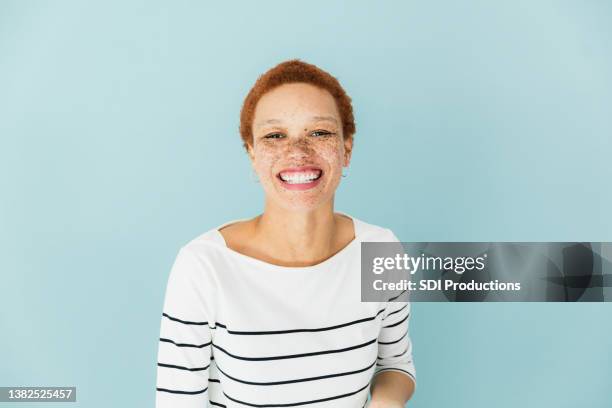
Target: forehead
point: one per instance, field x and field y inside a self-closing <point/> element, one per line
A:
<point x="294" y="101"/>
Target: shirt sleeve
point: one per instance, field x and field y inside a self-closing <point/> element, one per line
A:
<point x="185" y="343"/>
<point x="394" y="344"/>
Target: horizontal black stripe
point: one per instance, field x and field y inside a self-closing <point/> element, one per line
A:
<point x="382" y="365"/>
<point x="184" y="321"/>
<point x="394" y="341"/>
<point x="296" y="380"/>
<point x="217" y="404"/>
<point x="182" y="392"/>
<point x="214" y="380"/>
<point x="182" y="368"/>
<point x="315" y="353"/>
<point x="400" y="322"/>
<point x="268" y="332"/>
<point x="395" y="297"/>
<point x="185" y="344"/>
<point x="293" y="404"/>
<point x="397" y="355"/>
<point x="318" y="329"/>
<point x="397" y="311"/>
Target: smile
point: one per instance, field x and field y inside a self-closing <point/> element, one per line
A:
<point x="300" y="178"/>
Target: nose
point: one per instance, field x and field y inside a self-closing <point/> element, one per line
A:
<point x="299" y="147"/>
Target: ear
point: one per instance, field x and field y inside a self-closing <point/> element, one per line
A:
<point x="348" y="150"/>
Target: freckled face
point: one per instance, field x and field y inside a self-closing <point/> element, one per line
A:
<point x="298" y="147"/>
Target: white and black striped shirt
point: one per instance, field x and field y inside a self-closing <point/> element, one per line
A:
<point x="239" y="332"/>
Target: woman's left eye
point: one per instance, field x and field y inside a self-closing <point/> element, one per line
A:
<point x="321" y="133"/>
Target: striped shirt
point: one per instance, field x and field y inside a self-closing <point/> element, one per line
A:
<point x="240" y="332"/>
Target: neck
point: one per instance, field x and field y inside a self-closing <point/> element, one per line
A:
<point x="302" y="237"/>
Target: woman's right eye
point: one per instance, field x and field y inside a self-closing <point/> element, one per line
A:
<point x="273" y="136"/>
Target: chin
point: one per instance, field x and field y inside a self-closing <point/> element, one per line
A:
<point x="302" y="204"/>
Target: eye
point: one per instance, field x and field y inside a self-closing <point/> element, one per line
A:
<point x="273" y="136"/>
<point x="322" y="133"/>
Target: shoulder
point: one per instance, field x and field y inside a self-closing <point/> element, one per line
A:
<point x="212" y="237"/>
<point x="375" y="233"/>
<point x="207" y="244"/>
<point x="198" y="261"/>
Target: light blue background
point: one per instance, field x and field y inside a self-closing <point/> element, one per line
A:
<point x="477" y="120"/>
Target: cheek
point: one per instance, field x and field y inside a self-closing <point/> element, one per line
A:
<point x="265" y="157"/>
<point x="332" y="154"/>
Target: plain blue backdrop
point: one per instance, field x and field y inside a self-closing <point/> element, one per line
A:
<point x="476" y="121"/>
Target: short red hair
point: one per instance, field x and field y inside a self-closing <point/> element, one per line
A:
<point x="292" y="71"/>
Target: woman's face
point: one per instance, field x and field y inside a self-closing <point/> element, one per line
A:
<point x="298" y="147"/>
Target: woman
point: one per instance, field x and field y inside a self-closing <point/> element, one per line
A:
<point x="266" y="312"/>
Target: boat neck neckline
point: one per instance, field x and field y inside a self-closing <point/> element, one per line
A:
<point x="319" y="266"/>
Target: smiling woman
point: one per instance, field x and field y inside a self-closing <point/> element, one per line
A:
<point x="298" y="145"/>
<point x="266" y="311"/>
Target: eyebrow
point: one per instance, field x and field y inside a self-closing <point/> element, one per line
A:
<point x="315" y="118"/>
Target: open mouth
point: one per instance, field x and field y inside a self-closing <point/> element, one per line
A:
<point x="300" y="176"/>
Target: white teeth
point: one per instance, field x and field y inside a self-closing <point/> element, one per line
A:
<point x="299" y="178"/>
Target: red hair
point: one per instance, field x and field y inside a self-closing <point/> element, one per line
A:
<point x="292" y="71"/>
